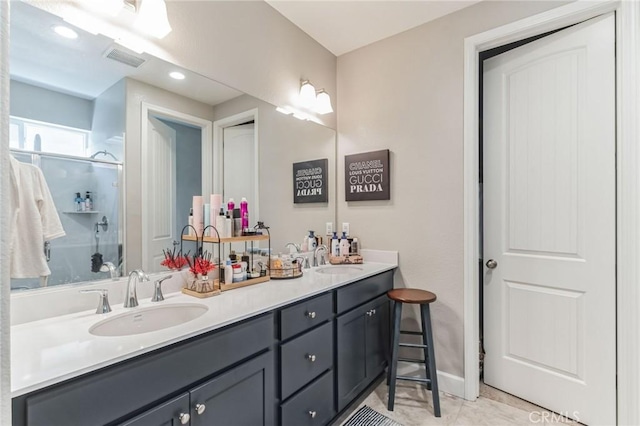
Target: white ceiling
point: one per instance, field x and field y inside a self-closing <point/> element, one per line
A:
<point x="345" y="25"/>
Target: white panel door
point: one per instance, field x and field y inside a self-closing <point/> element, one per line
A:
<point x="160" y="194"/>
<point x="549" y="222"/>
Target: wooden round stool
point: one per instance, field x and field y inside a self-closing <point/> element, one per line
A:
<point x="423" y="298"/>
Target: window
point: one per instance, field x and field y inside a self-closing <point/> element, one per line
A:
<point x="33" y="135"/>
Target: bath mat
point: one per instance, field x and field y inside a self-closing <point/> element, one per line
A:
<point x="369" y="417"/>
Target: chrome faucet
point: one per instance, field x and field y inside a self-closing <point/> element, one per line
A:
<point x="111" y="268"/>
<point x="322" y="248"/>
<point x="157" y="292"/>
<point x="131" y="298"/>
<point x="296" y="246"/>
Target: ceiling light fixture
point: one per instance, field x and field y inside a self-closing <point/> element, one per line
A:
<point x="65" y="32"/>
<point x="307" y="94"/>
<point x="152" y="18"/>
<point x="323" y="102"/>
<point x="177" y="75"/>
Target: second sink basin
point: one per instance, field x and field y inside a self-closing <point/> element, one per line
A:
<point x="144" y="320"/>
<point x="339" y="269"/>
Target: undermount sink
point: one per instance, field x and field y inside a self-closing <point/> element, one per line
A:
<point x="339" y="269"/>
<point x="145" y="320"/>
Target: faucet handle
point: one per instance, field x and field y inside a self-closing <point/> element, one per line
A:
<point x="157" y="292"/>
<point x="103" y="303"/>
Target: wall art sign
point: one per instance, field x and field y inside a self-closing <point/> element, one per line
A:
<point x="310" y="181"/>
<point x="367" y="176"/>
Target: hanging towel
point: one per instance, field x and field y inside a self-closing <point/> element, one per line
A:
<point x="34" y="220"/>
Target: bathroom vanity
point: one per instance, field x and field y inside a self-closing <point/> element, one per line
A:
<point x="291" y="352"/>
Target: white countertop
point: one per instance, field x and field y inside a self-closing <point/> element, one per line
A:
<point x="51" y="350"/>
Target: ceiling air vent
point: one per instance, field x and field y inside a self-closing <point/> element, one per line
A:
<point x="124" y="57"/>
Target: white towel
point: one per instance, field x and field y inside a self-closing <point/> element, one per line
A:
<point x="34" y="220"/>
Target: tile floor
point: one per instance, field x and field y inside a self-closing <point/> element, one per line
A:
<point x="413" y="407"/>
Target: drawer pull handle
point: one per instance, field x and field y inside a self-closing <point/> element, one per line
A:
<point x="311" y="315"/>
<point x="312" y="414"/>
<point x="369" y="313"/>
<point x="311" y="358"/>
<point x="184" y="418"/>
<point x="200" y="408"/>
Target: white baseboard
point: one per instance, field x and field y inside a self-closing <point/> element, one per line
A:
<point x="447" y="382"/>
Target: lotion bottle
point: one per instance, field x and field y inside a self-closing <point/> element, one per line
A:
<point x="312" y="244"/>
<point x="88" y="204"/>
<point x="220" y="223"/>
<point x="335" y="245"/>
<point x="228" y="229"/>
<point x="228" y="272"/>
<point x="79" y="202"/>
<point x="344" y="245"/>
<point x="190" y="228"/>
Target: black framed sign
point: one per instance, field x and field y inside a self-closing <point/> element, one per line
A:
<point x="367" y="176"/>
<point x="310" y="181"/>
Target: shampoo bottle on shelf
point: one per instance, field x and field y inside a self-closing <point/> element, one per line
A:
<point x="335" y="245"/>
<point x="344" y="245"/>
<point x="231" y="205"/>
<point x="88" y="203"/>
<point x="79" y="202"/>
<point x="244" y="214"/>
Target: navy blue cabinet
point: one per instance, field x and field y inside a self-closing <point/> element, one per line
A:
<point x="295" y="366"/>
<point x="362" y="348"/>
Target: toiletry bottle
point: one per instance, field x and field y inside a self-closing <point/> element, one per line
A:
<point x="344" y="245"/>
<point x="355" y="249"/>
<point x="220" y="223"/>
<point x="88" y="204"/>
<point x="305" y="244"/>
<point x="312" y="244"/>
<point x="335" y="245"/>
<point x="79" y="202"/>
<point x="237" y="223"/>
<point x="228" y="229"/>
<point x="228" y="272"/>
<point x="230" y="205"/>
<point x="190" y="229"/>
<point x="244" y="213"/>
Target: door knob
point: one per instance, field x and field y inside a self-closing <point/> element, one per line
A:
<point x="491" y="264"/>
<point x="184" y="418"/>
<point x="312" y="414"/>
<point x="311" y="358"/>
<point x="200" y="408"/>
<point x="311" y="315"/>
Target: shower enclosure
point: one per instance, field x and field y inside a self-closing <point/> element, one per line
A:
<point x="71" y="256"/>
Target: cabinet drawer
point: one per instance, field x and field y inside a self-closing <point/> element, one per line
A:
<point x="354" y="294"/>
<point x="306" y="357"/>
<point x="312" y="406"/>
<point x="305" y="315"/>
<point x="172" y="412"/>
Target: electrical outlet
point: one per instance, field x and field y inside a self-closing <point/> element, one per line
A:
<point x="329" y="230"/>
<point x="345" y="228"/>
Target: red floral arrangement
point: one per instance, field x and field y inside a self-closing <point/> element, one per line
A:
<point x="201" y="264"/>
<point x="174" y="261"/>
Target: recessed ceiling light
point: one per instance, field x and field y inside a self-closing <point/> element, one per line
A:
<point x="177" y="75"/>
<point x="65" y="32"/>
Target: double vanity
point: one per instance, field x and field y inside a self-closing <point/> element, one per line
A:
<point x="292" y="352"/>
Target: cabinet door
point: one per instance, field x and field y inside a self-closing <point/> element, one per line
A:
<point x="243" y="396"/>
<point x="362" y="346"/>
<point x="172" y="413"/>
<point x="378" y="344"/>
<point x="351" y="367"/>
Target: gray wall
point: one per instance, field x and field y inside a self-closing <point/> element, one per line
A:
<point x="40" y="104"/>
<point x="108" y="122"/>
<point x="188" y="172"/>
<point x="405" y="93"/>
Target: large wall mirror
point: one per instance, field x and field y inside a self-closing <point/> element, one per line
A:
<point x="96" y="118"/>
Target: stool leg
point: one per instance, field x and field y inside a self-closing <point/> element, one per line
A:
<point x="431" y="368"/>
<point x="393" y="366"/>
